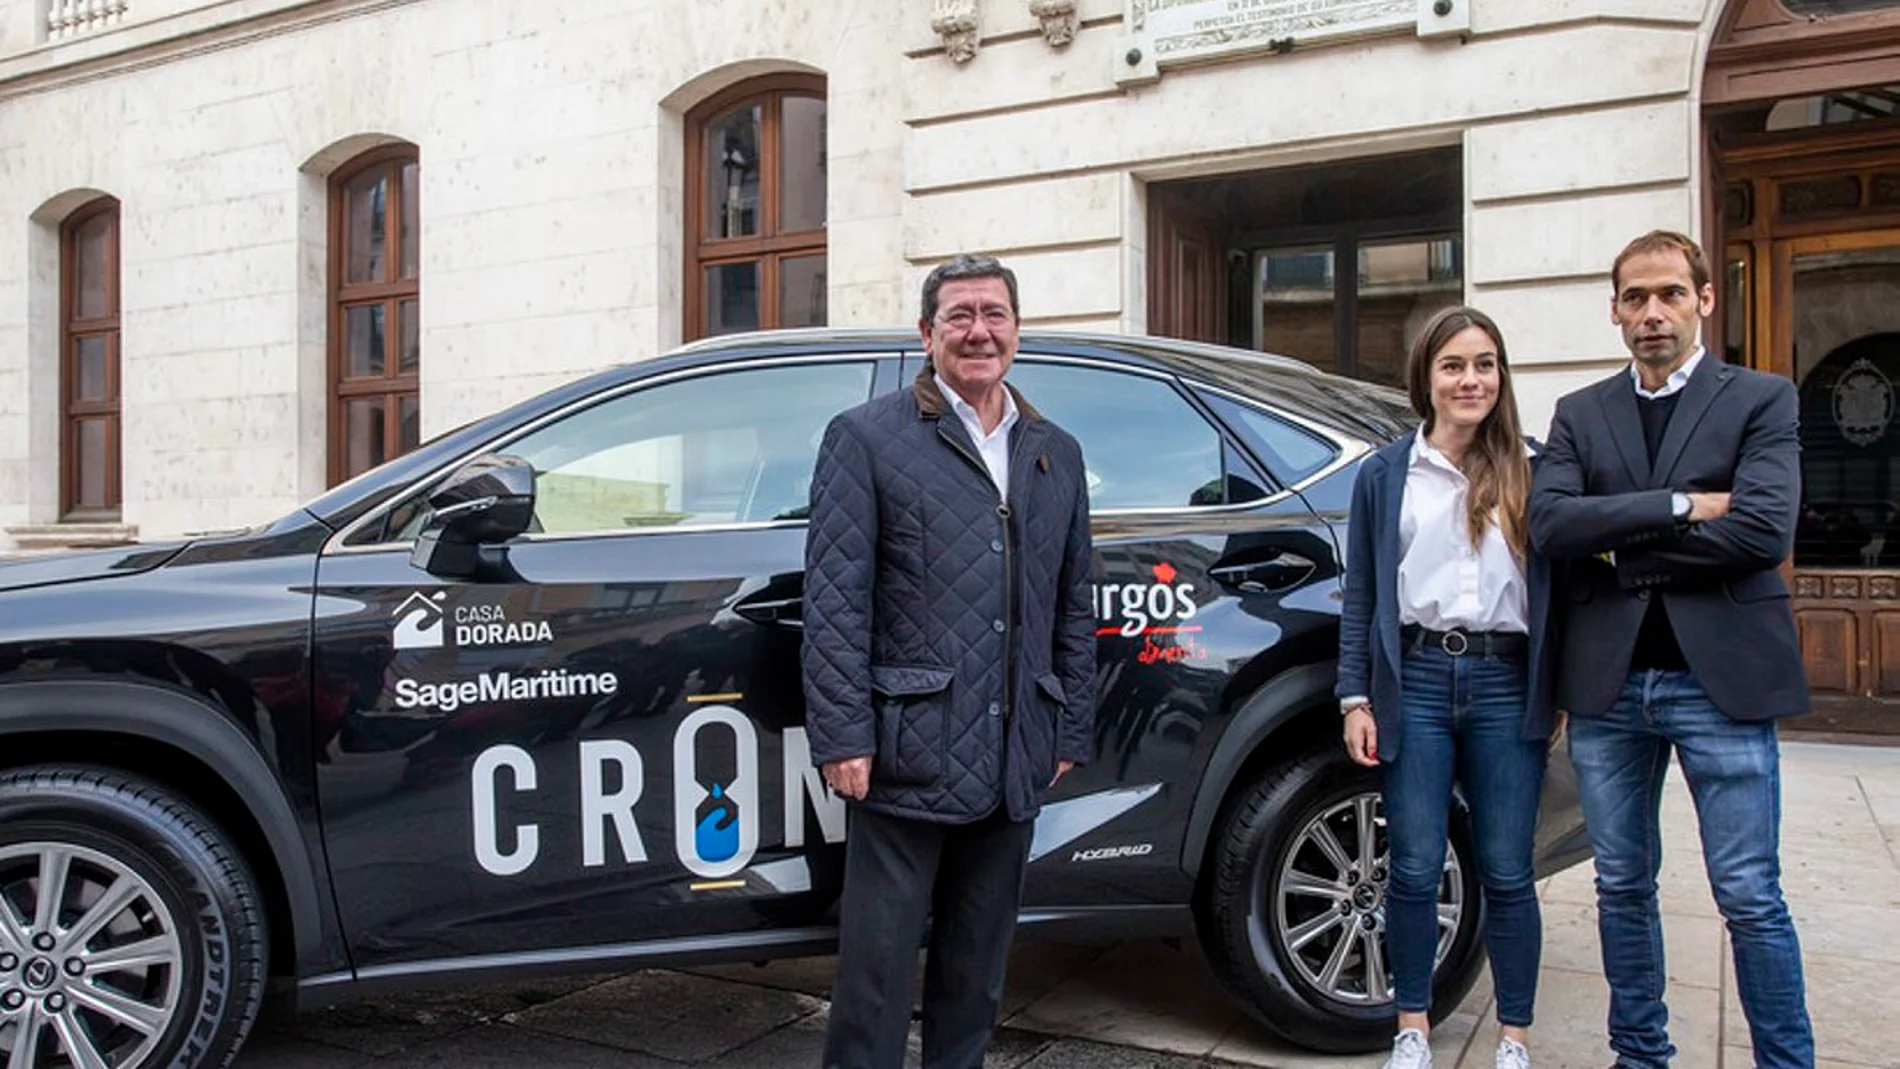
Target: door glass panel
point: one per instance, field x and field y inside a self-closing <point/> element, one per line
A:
<point x="1290" y="451"/>
<point x="89" y="370"/>
<point x="411" y="220"/>
<point x="736" y="447"/>
<point x="90" y="465"/>
<point x="1145" y="447"/>
<point x="1847" y="362"/>
<point x="363" y="341"/>
<point x="92" y="249"/>
<point x="801" y="282"/>
<point x="1736" y="279"/>
<point x="1295" y="313"/>
<point x="409" y="407"/>
<point x="732" y="174"/>
<point x="411" y="358"/>
<point x="802" y="168"/>
<point x="1401" y="285"/>
<point x="732" y="298"/>
<point x="363" y="430"/>
<point x="365" y="206"/>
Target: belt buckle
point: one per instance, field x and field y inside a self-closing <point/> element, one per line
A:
<point x="1463" y="643"/>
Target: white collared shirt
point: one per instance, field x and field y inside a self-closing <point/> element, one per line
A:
<point x="1443" y="581"/>
<point x="992" y="447"/>
<point x="1677" y="378"/>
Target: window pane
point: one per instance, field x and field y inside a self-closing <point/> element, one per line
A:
<point x="365" y="202"/>
<point x="1296" y="304"/>
<point x="90" y="464"/>
<point x="92" y="249"/>
<point x="1735" y="298"/>
<point x="411" y="358"/>
<point x="411" y="220"/>
<point x="1290" y="452"/>
<point x="363" y="435"/>
<point x="363" y="342"/>
<point x="732" y="174"/>
<point x="801" y="291"/>
<point x="802" y="167"/>
<point x="732" y="298"/>
<point x="1401" y="284"/>
<point x="724" y="448"/>
<point x="89" y="370"/>
<point x="1825" y="8"/>
<point x="410" y="410"/>
<point x="1169" y="464"/>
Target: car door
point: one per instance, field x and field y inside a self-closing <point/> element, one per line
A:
<point x="604" y="746"/>
<point x="1209" y="573"/>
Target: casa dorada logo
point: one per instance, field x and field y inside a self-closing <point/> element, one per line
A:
<point x="1134" y="609"/>
<point x="424" y="621"/>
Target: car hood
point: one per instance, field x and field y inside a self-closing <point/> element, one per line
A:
<point x="72" y="566"/>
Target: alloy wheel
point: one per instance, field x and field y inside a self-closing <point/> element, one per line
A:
<point x="91" y="966"/>
<point x="1329" y="902"/>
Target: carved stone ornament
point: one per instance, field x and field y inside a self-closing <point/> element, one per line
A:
<point x="1058" y="20"/>
<point x="955" y="22"/>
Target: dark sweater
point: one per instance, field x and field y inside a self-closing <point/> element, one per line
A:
<point x="1656" y="645"/>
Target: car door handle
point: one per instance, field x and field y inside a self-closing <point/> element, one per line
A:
<point x="1283" y="572"/>
<point x="779" y="612"/>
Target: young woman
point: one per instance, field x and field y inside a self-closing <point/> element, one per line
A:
<point x="1444" y="668"/>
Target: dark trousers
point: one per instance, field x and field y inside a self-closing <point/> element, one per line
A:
<point x="967" y="879"/>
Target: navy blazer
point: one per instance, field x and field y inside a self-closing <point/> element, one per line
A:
<point x="1369" y="646"/>
<point x="1596" y="492"/>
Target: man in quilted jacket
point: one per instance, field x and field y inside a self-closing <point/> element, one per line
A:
<point x="949" y="669"/>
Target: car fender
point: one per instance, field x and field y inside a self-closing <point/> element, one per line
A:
<point x="187" y="723"/>
<point x="1274" y="705"/>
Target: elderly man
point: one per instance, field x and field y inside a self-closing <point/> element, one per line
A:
<point x="949" y="669"/>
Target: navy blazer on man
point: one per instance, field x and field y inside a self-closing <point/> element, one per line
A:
<point x="1733" y="430"/>
<point x="1369" y="645"/>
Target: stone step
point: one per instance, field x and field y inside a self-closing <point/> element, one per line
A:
<point x="46" y="537"/>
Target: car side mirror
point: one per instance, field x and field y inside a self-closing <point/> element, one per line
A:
<point x="485" y="502"/>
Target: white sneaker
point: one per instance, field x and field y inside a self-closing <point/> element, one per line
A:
<point x="1410" y="1051"/>
<point x="1512" y="1055"/>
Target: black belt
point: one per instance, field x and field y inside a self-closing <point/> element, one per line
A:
<point x="1459" y="643"/>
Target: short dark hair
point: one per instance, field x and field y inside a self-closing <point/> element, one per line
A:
<point x="964" y="266"/>
<point x="1663" y="242"/>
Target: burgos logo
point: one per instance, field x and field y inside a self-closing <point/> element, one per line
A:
<point x="419" y="621"/>
<point x="1146" y="608"/>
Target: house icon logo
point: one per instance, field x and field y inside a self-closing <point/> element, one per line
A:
<point x="419" y="621"/>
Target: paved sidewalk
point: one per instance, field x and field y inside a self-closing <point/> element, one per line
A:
<point x="1150" y="1004"/>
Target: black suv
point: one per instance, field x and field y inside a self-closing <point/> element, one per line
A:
<point x="470" y="718"/>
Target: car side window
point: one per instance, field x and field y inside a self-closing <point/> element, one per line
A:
<point x="1290" y="452"/>
<point x="1144" y="444"/>
<point x="719" y="448"/>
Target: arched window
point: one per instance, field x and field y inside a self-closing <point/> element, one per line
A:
<point x="375" y="288"/>
<point x="89" y="362"/>
<point x="755" y="208"/>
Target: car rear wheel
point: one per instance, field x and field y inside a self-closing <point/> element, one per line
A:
<point x="1293" y="908"/>
<point x="131" y="933"/>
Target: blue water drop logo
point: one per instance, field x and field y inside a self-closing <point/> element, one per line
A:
<point x="716" y="836"/>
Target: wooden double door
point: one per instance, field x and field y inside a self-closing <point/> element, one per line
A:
<point x="1812" y="273"/>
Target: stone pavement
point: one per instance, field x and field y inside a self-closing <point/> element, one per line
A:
<point x="1151" y="1004"/>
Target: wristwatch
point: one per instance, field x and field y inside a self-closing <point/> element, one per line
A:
<point x="1680" y="506"/>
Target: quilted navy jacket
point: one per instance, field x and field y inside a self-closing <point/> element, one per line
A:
<point x="949" y="634"/>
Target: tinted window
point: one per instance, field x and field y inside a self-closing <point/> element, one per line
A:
<point x="1144" y="444"/>
<point x="1290" y="451"/>
<point x="730" y="447"/>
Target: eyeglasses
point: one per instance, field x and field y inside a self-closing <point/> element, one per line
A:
<point x="960" y="319"/>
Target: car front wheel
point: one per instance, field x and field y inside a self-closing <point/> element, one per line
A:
<point x="1293" y="910"/>
<point x="131" y="932"/>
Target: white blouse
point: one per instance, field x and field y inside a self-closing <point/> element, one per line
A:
<point x="1443" y="581"/>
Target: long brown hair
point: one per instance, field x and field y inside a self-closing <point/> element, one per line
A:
<point x="1495" y="465"/>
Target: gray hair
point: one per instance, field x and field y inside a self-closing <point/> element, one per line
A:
<point x="968" y="266"/>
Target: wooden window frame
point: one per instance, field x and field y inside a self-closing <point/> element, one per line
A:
<point x="72" y="329"/>
<point x="390" y="292"/>
<point x="769" y="247"/>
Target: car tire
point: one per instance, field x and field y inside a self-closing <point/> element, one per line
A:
<point x="153" y="949"/>
<point x="1271" y="881"/>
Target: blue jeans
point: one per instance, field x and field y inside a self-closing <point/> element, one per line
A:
<point x="1733" y="769"/>
<point x="1463" y="721"/>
